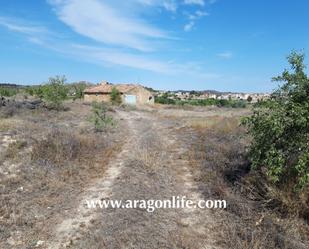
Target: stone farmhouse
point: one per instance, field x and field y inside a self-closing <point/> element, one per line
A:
<point x="133" y="94"/>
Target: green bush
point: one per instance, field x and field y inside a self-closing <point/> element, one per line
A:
<point x="99" y="116"/>
<point x="78" y="89"/>
<point x="35" y="91"/>
<point x="165" y="99"/>
<point x="115" y="96"/>
<point x="7" y="91"/>
<point x="54" y="92"/>
<point x="280" y="128"/>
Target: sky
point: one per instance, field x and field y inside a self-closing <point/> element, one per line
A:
<point x="220" y="45"/>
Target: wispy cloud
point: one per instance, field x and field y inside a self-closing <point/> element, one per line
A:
<point x="115" y="57"/>
<point x="189" y="26"/>
<point x="197" y="2"/>
<point x="192" y="18"/>
<point x="225" y="55"/>
<point x="117" y="35"/>
<point x="169" y="5"/>
<point x="108" y="23"/>
<point x="106" y="56"/>
<point x="20" y="27"/>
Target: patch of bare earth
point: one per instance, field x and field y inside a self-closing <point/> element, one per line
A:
<point x="151" y="166"/>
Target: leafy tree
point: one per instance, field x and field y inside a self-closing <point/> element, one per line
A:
<point x="115" y="96"/>
<point x="55" y="92"/>
<point x="99" y="116"/>
<point x="280" y="128"/>
<point x="249" y="99"/>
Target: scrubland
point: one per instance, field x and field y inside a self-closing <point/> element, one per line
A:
<point x="49" y="159"/>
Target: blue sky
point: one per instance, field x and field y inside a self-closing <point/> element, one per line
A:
<point x="165" y="44"/>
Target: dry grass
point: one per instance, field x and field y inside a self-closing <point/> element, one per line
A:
<point x="256" y="216"/>
<point x="50" y="158"/>
<point x="8" y="124"/>
<point x="14" y="148"/>
<point x="220" y="123"/>
<point x="60" y="147"/>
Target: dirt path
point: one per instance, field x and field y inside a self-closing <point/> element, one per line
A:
<point x="151" y="166"/>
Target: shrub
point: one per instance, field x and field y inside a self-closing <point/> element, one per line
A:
<point x="238" y="104"/>
<point x="115" y="96"/>
<point x="99" y="116"/>
<point x="7" y="91"/>
<point x="280" y="128"/>
<point x="37" y="91"/>
<point x="170" y="100"/>
<point x="55" y="92"/>
<point x="76" y="90"/>
<point x="165" y="99"/>
<point x="58" y="147"/>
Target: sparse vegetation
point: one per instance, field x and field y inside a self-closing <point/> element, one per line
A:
<point x="44" y="163"/>
<point x="44" y="166"/>
<point x="7" y="91"/>
<point x="61" y="147"/>
<point x="100" y="119"/>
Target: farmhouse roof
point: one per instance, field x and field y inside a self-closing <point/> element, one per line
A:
<point x="106" y="87"/>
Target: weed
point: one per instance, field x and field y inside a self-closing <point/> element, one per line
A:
<point x="100" y="119"/>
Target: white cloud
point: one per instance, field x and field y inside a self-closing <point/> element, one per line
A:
<point x="225" y="55"/>
<point x="105" y="23"/>
<point x="114" y="57"/>
<point x="123" y="37"/>
<point x="196" y="2"/>
<point x="20" y="27"/>
<point x="200" y="13"/>
<point x="189" y="26"/>
<point x="108" y="56"/>
<point x="192" y="17"/>
<point x="169" y="5"/>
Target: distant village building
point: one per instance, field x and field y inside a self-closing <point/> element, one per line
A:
<point x="133" y="94"/>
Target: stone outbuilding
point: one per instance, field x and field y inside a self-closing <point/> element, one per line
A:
<point x="133" y="94"/>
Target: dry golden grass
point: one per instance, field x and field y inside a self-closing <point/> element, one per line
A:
<point x="7" y="124"/>
<point x="218" y="123"/>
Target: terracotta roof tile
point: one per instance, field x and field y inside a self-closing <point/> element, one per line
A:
<point x="107" y="88"/>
